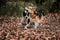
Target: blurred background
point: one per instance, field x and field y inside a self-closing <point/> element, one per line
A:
<point x="16" y="7"/>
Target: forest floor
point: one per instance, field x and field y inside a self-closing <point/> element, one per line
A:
<point x="11" y="29"/>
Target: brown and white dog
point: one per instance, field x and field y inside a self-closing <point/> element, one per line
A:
<point x="32" y="17"/>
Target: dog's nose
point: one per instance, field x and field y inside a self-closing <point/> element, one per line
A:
<point x="26" y="17"/>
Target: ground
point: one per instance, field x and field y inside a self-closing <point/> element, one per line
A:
<point x="12" y="29"/>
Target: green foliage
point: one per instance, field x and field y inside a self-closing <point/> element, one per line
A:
<point x="45" y="5"/>
<point x="16" y="7"/>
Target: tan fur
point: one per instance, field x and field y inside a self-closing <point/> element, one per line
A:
<point x="33" y="15"/>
